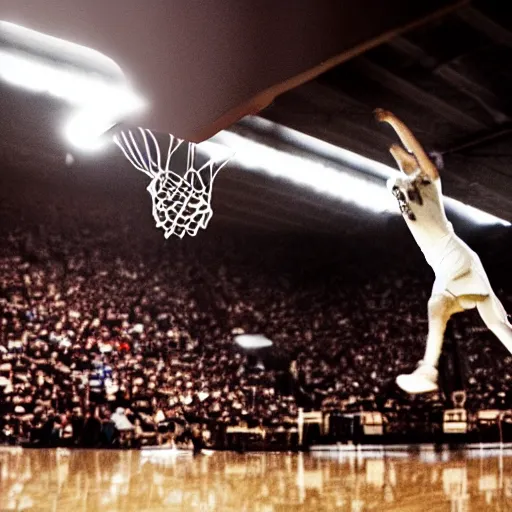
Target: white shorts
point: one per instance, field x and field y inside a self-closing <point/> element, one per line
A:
<point x="458" y="269"/>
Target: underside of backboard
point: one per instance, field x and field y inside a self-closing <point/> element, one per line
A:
<point x="201" y="66"/>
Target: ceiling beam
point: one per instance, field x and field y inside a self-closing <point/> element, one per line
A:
<point x="486" y="187"/>
<point x="324" y="113"/>
<point x="413" y="93"/>
<point x="476" y="91"/>
<point x="479" y="140"/>
<point x="484" y="24"/>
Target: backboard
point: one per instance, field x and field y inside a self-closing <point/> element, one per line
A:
<point x="202" y="65"/>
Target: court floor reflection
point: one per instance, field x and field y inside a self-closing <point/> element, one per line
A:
<point x="84" y="480"/>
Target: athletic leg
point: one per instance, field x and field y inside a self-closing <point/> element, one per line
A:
<point x="441" y="307"/>
<point x="495" y="318"/>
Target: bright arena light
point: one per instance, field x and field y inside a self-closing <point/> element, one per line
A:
<point x="75" y="87"/>
<point x="252" y="341"/>
<point x="217" y="153"/>
<point x="86" y="128"/>
<point x="91" y="81"/>
<point x="474" y="214"/>
<point x="330" y="180"/>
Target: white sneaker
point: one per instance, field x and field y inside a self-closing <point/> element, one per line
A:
<point x="421" y="380"/>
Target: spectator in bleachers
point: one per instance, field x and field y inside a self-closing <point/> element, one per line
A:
<point x="93" y="322"/>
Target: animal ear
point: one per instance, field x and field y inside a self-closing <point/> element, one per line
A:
<point x="409" y="141"/>
<point x="405" y="161"/>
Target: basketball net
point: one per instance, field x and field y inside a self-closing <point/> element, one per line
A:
<point x="181" y="204"/>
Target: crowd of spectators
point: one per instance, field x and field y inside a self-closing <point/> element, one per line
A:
<point x="110" y="335"/>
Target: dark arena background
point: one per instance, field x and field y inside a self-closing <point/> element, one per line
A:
<point x="122" y="386"/>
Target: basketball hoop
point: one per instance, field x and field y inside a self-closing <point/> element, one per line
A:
<point x="181" y="202"/>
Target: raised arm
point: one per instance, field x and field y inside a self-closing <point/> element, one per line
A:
<point x="415" y="156"/>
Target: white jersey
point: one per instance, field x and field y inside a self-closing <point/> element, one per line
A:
<point x="457" y="268"/>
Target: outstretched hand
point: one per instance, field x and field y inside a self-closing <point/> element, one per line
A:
<point x="415" y="157"/>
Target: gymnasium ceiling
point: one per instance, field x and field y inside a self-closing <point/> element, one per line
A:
<point x="449" y="79"/>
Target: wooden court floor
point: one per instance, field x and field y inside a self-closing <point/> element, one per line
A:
<point x="90" y="480"/>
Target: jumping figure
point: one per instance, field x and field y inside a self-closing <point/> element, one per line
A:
<point x="460" y="279"/>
